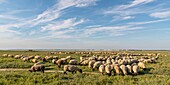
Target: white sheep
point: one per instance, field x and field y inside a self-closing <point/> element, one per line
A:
<point x="108" y="69"/>
<point x="71" y="68"/>
<point x="124" y="69"/>
<point x="135" y="69"/>
<point x="101" y="69"/>
<point x="73" y="62"/>
<point x="142" y="65"/>
<point x="96" y="65"/>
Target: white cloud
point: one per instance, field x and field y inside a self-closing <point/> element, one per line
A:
<point x="165" y="14"/>
<point x="128" y="17"/>
<point x="147" y="22"/>
<point x="55" y="11"/>
<point x="112" y="30"/>
<point x="135" y="3"/>
<point x="63" y="24"/>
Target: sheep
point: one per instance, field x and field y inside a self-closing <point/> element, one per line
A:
<point x="96" y="65"/>
<point x="142" y="65"/>
<point x="37" y="57"/>
<point x="5" y="55"/>
<point x="54" y="61"/>
<point x="71" y="68"/>
<point x="73" y="62"/>
<point x="117" y="69"/>
<point x="61" y="61"/>
<point x="101" y="69"/>
<point x="84" y="62"/>
<point x="31" y="57"/>
<point x="108" y="69"/>
<point x="91" y="63"/>
<point x="135" y="69"/>
<point x="25" y="59"/>
<point x="10" y="55"/>
<point x="17" y="56"/>
<point x="124" y="69"/>
<point x="108" y="61"/>
<point x="55" y="57"/>
<point x="129" y="69"/>
<point x="35" y="68"/>
<point x="34" y="60"/>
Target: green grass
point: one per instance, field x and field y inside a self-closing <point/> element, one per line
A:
<point x="158" y="75"/>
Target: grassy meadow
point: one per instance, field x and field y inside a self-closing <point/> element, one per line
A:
<point x="157" y="73"/>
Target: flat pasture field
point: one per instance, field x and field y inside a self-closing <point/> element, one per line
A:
<point x="158" y="73"/>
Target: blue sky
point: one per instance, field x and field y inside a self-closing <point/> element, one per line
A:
<point x="85" y="24"/>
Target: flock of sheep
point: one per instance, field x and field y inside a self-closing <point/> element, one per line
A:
<point x="121" y="63"/>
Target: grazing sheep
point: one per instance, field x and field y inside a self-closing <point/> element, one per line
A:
<point x="54" y="61"/>
<point x="108" y="69"/>
<point x="37" y="57"/>
<point x="91" y="63"/>
<point x="108" y="61"/>
<point x="101" y="69"/>
<point x="5" y="55"/>
<point x="96" y="65"/>
<point x="117" y="69"/>
<point x="31" y="57"/>
<point x="71" y="68"/>
<point x="55" y="57"/>
<point x="124" y="69"/>
<point x="35" y="68"/>
<point x="73" y="62"/>
<point x="142" y="65"/>
<point x="10" y="55"/>
<point x="84" y="62"/>
<point x="25" y="59"/>
<point x="129" y="69"/>
<point x="61" y="61"/>
<point x="135" y="69"/>
<point x="34" y="60"/>
<point x="68" y="57"/>
<point x="18" y="56"/>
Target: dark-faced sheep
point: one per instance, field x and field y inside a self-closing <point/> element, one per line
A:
<point x="71" y="68"/>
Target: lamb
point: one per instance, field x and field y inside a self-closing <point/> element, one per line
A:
<point x="71" y="68"/>
<point x="101" y="69"/>
<point x="73" y="62"/>
<point x="124" y="69"/>
<point x="37" y="68"/>
<point x="108" y="70"/>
